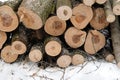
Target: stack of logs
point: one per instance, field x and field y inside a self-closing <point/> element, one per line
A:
<point x="61" y="32"/>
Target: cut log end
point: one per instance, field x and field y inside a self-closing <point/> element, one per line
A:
<point x="110" y="18"/>
<point x="18" y="47"/>
<point x="53" y="48"/>
<point x="94" y="42"/>
<point x="30" y="19"/>
<point x="77" y="59"/>
<point x="74" y="37"/>
<point x="3" y="38"/>
<point x="35" y="55"/>
<point x="7" y="55"/>
<point x="8" y="19"/>
<point x="89" y="2"/>
<point x="116" y="10"/>
<point x="64" y="61"/>
<point x="64" y="12"/>
<point x="101" y="1"/>
<point x="55" y="26"/>
<point x="109" y="58"/>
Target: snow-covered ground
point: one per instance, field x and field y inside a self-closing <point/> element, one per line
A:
<point x="88" y="71"/>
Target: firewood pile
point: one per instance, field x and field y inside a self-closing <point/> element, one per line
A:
<point x="59" y="32"/>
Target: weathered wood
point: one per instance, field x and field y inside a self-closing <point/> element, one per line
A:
<point x="94" y="42"/>
<point x="3" y="38"/>
<point x="74" y="37"/>
<point x="116" y="6"/>
<point x="19" y="41"/>
<point x="101" y="1"/>
<point x="64" y="60"/>
<point x="55" y="26"/>
<point x="33" y="13"/>
<point x="8" y="55"/>
<point x="8" y="19"/>
<point x="77" y="57"/>
<point x="110" y="17"/>
<point x="53" y="46"/>
<point x="115" y="30"/>
<point x="99" y="19"/>
<point x="64" y="11"/>
<point x="36" y="52"/>
<point x="82" y="15"/>
<point x="89" y="2"/>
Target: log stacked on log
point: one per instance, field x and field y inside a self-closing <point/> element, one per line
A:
<point x="53" y="28"/>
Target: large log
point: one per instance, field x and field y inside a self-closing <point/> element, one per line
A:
<point x="36" y="52"/>
<point x="3" y="38"/>
<point x="74" y="37"/>
<point x="116" y="6"/>
<point x="8" y="19"/>
<point x="64" y="11"/>
<point x="115" y="30"/>
<point x="64" y="60"/>
<point x="33" y="13"/>
<point x="110" y="17"/>
<point x="77" y="57"/>
<point x="82" y="15"/>
<point x="99" y="19"/>
<point x="94" y="42"/>
<point x="19" y="40"/>
<point x="53" y="46"/>
<point x="55" y="26"/>
<point x="101" y="1"/>
<point x="8" y="55"/>
<point x="89" y="2"/>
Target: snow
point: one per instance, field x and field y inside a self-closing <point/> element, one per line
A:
<point x="93" y="70"/>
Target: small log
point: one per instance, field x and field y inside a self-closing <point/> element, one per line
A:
<point x="108" y="55"/>
<point x="3" y="38"/>
<point x="116" y="6"/>
<point x="53" y="46"/>
<point x="78" y="57"/>
<point x="110" y="17"/>
<point x="99" y="19"/>
<point x="82" y="15"/>
<point x="7" y="55"/>
<point x="74" y="37"/>
<point x="101" y="1"/>
<point x="33" y="13"/>
<point x="19" y="41"/>
<point x="8" y="19"/>
<point x="94" y="42"/>
<point x="64" y="11"/>
<point x="89" y="2"/>
<point x="115" y="29"/>
<point x="55" y="26"/>
<point x="65" y="59"/>
<point x="36" y="52"/>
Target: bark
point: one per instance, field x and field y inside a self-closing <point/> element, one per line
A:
<point x="94" y="42"/>
<point x="7" y="55"/>
<point x="8" y="19"/>
<point x="115" y="29"/>
<point x="36" y="52"/>
<point x="19" y="40"/>
<point x="53" y="46"/>
<point x="64" y="11"/>
<point x="82" y="15"/>
<point x="99" y="19"/>
<point x="110" y="17"/>
<point x="33" y="13"/>
<point x="55" y="26"/>
<point x="74" y="38"/>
